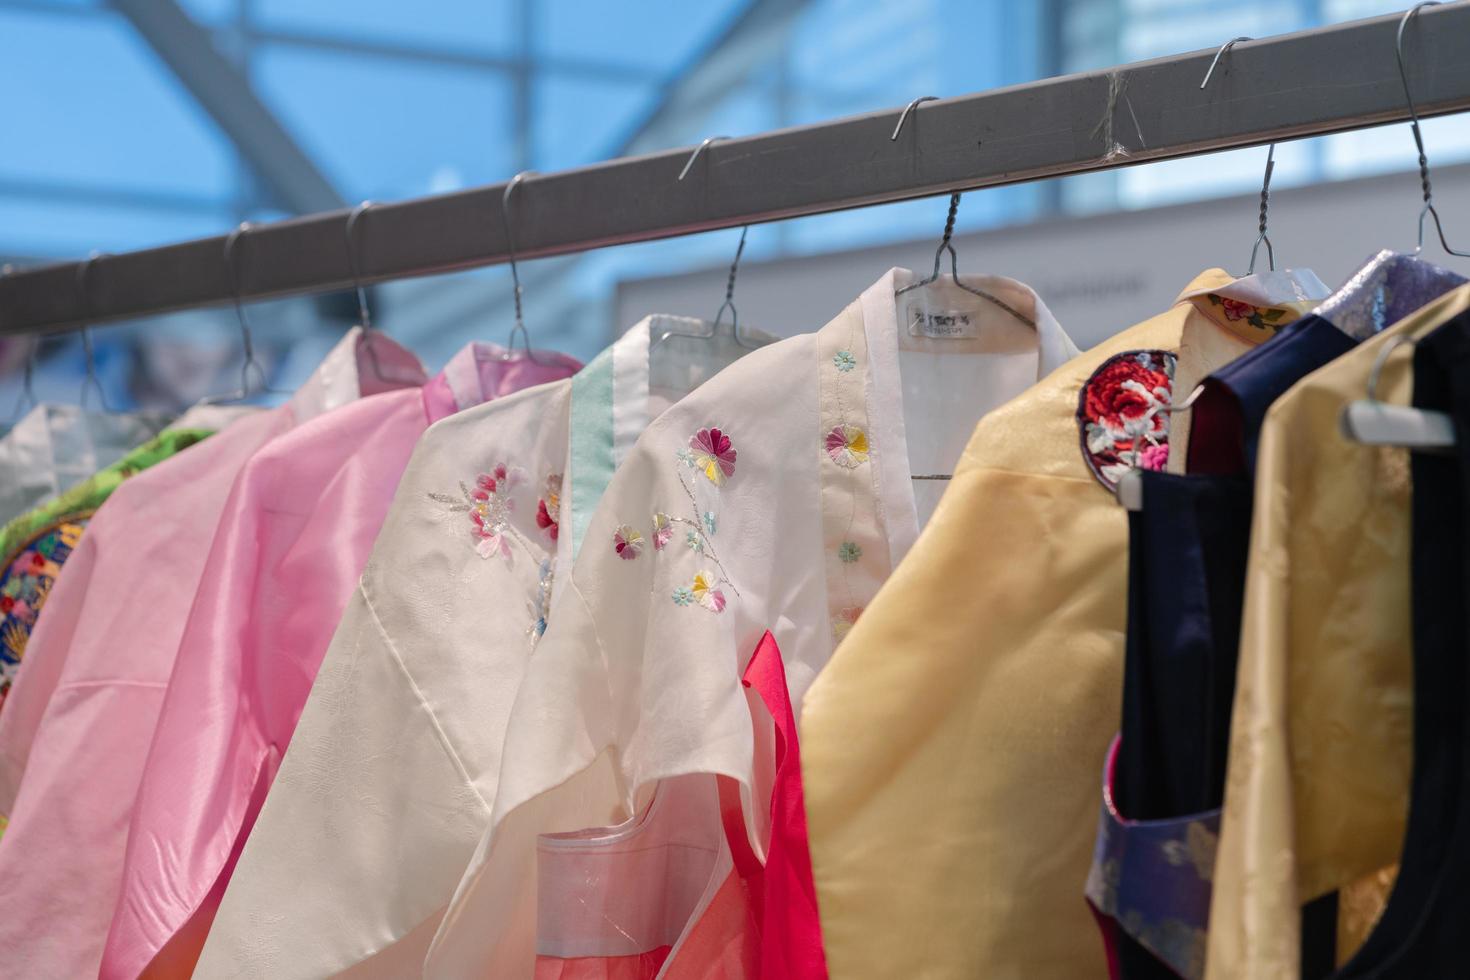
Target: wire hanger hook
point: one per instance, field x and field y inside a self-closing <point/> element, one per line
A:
<point x="27" y="399"/>
<point x="946" y="245"/>
<point x="247" y="341"/>
<point x="515" y="275"/>
<point x="704" y="145"/>
<point x="364" y="316"/>
<point x="903" y="116"/>
<point x="1428" y="208"/>
<point x="84" y="275"/>
<point x="1265" y="182"/>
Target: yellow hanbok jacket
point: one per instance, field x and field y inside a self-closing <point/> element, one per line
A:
<point x="1317" y="783"/>
<point x="952" y="749"/>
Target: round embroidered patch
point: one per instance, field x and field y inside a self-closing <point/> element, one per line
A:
<point x="25" y="582"/>
<point x="847" y="445"/>
<point x="1123" y="414"/>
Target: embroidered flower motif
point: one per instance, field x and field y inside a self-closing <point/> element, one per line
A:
<point x="663" y="530"/>
<point x="713" y="455"/>
<point x="548" y="508"/>
<point x="709" y="522"/>
<point x="694" y="541"/>
<point x="844" y="621"/>
<point x="849" y="552"/>
<point x="489" y="505"/>
<point x="627" y="542"/>
<point x="847" y="445"/>
<point x="683" y="596"/>
<point x="1260" y="317"/>
<point x="844" y="361"/>
<point x="24" y="586"/>
<point x="705" y="593"/>
<point x="1123" y="414"/>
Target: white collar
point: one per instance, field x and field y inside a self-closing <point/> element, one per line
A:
<point x="879" y="310"/>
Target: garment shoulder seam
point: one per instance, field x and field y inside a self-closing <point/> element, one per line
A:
<point x="445" y="742"/>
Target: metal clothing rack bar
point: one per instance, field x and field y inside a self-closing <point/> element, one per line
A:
<point x="1295" y="85"/>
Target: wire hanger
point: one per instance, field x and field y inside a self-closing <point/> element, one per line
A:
<point x="364" y="318"/>
<point x="246" y="341"/>
<point x="515" y="276"/>
<point x="729" y="304"/>
<point x="944" y="243"/>
<point x="946" y="246"/>
<point x="90" y="380"/>
<point x="1429" y="208"/>
<point x="1270" y="166"/>
<point x="1378" y="423"/>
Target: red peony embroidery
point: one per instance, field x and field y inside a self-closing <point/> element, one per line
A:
<point x="1123" y="414"/>
<point x="1234" y="309"/>
<point x="545" y="521"/>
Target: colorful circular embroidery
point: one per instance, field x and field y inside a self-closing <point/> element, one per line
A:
<point x="25" y="582"/>
<point x="847" y="445"/>
<point x="627" y="542"/>
<point x="713" y="454"/>
<point x="1123" y="414"/>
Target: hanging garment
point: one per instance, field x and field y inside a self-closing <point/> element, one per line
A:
<point x="398" y="747"/>
<point x="1318" y="769"/>
<point x="35" y="546"/>
<point x="1420" y="933"/>
<point x="292" y="540"/>
<point x="1187" y="569"/>
<point x="55" y="447"/>
<point x="678" y="893"/>
<point x="951" y="749"/>
<point x="776" y="497"/>
<point x="76" y="729"/>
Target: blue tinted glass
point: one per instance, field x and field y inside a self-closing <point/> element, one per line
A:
<point x="104" y="110"/>
<point x="391" y="128"/>
<point x="471" y="25"/>
<point x="580" y="120"/>
<point x="45" y="227"/>
<point x="663" y="35"/>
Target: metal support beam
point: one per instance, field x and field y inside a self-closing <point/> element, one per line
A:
<point x="1340" y="78"/>
<point x="290" y="176"/>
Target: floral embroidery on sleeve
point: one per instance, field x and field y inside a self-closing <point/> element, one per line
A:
<point x="1260" y="317"/>
<point x="548" y="508"/>
<point x="1123" y="414"/>
<point x="713" y="454"/>
<point x="541" y="608"/>
<point x="710" y="454"/>
<point x="489" y="505"/>
<point x="627" y="542"/>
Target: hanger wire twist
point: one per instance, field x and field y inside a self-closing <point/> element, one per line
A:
<point x="1270" y="167"/>
<point x="729" y="302"/>
<point x="1429" y="208"/>
<point x="364" y="315"/>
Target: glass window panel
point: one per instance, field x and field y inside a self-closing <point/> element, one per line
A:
<point x="580" y="120"/>
<point x="40" y="228"/>
<point x="92" y="105"/>
<point x="211" y="13"/>
<point x="1213" y="175"/>
<point x="387" y="128"/>
<point x="491" y="26"/>
<point x="664" y="35"/>
<point x="1387" y="148"/>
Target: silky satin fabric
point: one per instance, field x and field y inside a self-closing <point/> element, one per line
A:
<point x="398" y="747"/>
<point x="54" y="447"/>
<point x="1318" y="774"/>
<point x="292" y="539"/>
<point x="774" y="497"/>
<point x="75" y="731"/>
<point x="951" y="748"/>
